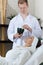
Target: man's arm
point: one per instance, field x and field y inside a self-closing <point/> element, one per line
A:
<point x="11" y="33"/>
<point x="27" y="27"/>
<point x="36" y="31"/>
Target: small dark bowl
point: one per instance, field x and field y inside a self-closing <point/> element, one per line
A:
<point x="20" y="30"/>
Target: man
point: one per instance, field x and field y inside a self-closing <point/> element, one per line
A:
<point x="23" y="20"/>
<point x="23" y="44"/>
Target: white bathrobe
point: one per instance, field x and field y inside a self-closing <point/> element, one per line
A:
<point x="20" y="55"/>
<point x="35" y="59"/>
<point x="19" y="22"/>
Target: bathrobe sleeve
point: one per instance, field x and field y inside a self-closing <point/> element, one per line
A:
<point x="10" y="31"/>
<point x="36" y="31"/>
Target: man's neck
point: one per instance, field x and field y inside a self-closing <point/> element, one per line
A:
<point x="24" y="15"/>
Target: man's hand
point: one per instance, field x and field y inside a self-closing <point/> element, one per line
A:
<point x="17" y="35"/>
<point x="27" y="27"/>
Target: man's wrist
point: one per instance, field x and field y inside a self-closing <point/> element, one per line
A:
<point x="14" y="37"/>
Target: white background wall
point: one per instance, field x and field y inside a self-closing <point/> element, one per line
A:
<point x="35" y="8"/>
<point x="39" y="9"/>
<point x="31" y="6"/>
<point x="14" y="5"/>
